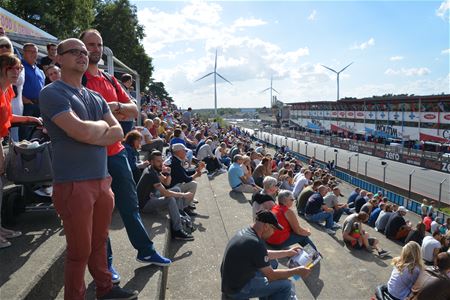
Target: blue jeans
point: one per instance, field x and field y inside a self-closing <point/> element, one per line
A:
<point x="126" y="201"/>
<point x="295" y="239"/>
<point x="225" y="160"/>
<point x="322" y="216"/>
<point x="260" y="287"/>
<point x="337" y="214"/>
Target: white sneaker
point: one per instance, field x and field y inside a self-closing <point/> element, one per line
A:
<point x="336" y="226"/>
<point x="330" y="231"/>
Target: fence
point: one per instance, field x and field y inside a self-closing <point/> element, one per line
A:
<point x="398" y="199"/>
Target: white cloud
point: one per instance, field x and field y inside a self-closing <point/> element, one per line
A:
<point x="364" y="45"/>
<point x="241" y="22"/>
<point x="396" y="58"/>
<point x="443" y="10"/>
<point x="445" y="51"/>
<point x="408" y="72"/>
<point x="312" y="16"/>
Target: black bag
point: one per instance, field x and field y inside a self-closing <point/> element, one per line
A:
<point x="29" y="165"/>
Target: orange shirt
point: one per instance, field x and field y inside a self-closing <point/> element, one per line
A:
<point x="5" y="110"/>
<point x="103" y="86"/>
<point x="279" y="236"/>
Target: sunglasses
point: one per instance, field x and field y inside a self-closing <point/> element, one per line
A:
<point x="7" y="46"/>
<point x="18" y="69"/>
<point x="75" y="52"/>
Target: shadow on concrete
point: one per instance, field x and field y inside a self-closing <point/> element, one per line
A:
<point x="368" y="256"/>
<point x="175" y="246"/>
<point x="240" y="197"/>
<point x="141" y="277"/>
<point x="313" y="282"/>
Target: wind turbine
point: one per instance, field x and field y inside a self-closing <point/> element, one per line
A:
<point x="215" y="82"/>
<point x="271" y="89"/>
<point x="337" y="73"/>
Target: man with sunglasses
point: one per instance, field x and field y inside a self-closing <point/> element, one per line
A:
<point x="123" y="184"/>
<point x="248" y="269"/>
<point x="34" y="82"/>
<point x="81" y="125"/>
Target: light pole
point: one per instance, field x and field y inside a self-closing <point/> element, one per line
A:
<point x="409" y="186"/>
<point x="315" y="151"/>
<point x="350" y="161"/>
<point x="335" y="157"/>
<point x="357" y="164"/>
<point x="325" y="155"/>
<point x="365" y="167"/>
<point x="384" y="164"/>
<point x="306" y="149"/>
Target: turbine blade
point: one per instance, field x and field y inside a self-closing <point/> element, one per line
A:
<point x="265" y="90"/>
<point x="223" y="78"/>
<point x="329" y="69"/>
<point x="215" y="62"/>
<point x="345" y="67"/>
<point x="204" y="76"/>
<point x="275" y="90"/>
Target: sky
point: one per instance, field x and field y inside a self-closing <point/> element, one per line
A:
<point x="396" y="47"/>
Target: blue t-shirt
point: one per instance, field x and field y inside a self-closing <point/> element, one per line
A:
<point x="73" y="160"/>
<point x="234" y="175"/>
<point x="177" y="140"/>
<point x="34" y="81"/>
<point x="374" y="216"/>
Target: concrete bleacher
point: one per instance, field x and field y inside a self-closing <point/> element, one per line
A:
<point x="33" y="267"/>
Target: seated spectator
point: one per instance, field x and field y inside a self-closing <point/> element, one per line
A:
<point x="304" y="196"/>
<point x="286" y="180"/>
<point x="236" y="177"/>
<point x="317" y="211"/>
<point x="221" y="154"/>
<point x="332" y="200"/>
<point x="416" y="234"/>
<point x="435" y="224"/>
<point x="431" y="246"/>
<point x="265" y="198"/>
<point x="427" y="221"/>
<point x="375" y="213"/>
<point x="433" y="283"/>
<point x="407" y="268"/>
<point x="369" y="206"/>
<point x="248" y="269"/>
<point x="205" y="154"/>
<point x="154" y="196"/>
<point x="292" y="233"/>
<point x="132" y="143"/>
<point x="352" y="197"/>
<point x="355" y="236"/>
<point x="383" y="218"/>
<point x="301" y="182"/>
<point x="262" y="170"/>
<point x="237" y="149"/>
<point x="360" y="200"/>
<point x="149" y="142"/>
<point x="247" y="169"/>
<point x="397" y="228"/>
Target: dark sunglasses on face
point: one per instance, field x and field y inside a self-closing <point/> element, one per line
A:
<point x="7" y="46"/>
<point x="75" y="52"/>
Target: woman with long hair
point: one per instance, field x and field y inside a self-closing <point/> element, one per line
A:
<point x="407" y="268"/>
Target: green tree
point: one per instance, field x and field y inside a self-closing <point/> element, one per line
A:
<point x="118" y="23"/>
<point x="61" y="18"/>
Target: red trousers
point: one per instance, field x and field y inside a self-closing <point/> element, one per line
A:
<point x="85" y="208"/>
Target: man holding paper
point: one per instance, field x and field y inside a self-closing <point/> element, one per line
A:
<point x="249" y="270"/>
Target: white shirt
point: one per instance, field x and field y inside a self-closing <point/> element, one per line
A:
<point x="434" y="226"/>
<point x="429" y="243"/>
<point x="145" y="133"/>
<point x="204" y="151"/>
<point x="299" y="185"/>
<point x="218" y="153"/>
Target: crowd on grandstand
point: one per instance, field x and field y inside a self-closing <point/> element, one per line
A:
<point x="103" y="159"/>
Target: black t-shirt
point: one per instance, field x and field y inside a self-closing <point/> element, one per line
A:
<point x="314" y="204"/>
<point x="245" y="254"/>
<point x="393" y="225"/>
<point x="146" y="185"/>
<point x="414" y="235"/>
<point x="359" y="202"/>
<point x="261" y="197"/>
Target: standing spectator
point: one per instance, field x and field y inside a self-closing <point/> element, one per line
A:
<point x="427" y="220"/>
<point x="431" y="246"/>
<point x="123" y="185"/>
<point x="6" y="47"/>
<point x="132" y="143"/>
<point x="317" y="211"/>
<point x="127" y="81"/>
<point x="424" y="208"/>
<point x="248" y="269"/>
<point x="15" y="50"/>
<point x="397" y="228"/>
<point x="50" y="59"/>
<point x="52" y="73"/>
<point x="186" y="117"/>
<point x="292" y="231"/>
<point x="82" y="125"/>
<point x="407" y="268"/>
<point x="34" y="82"/>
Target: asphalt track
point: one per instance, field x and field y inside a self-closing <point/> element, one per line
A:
<point x="425" y="182"/>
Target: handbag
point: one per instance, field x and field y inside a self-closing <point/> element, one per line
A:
<point x="29" y="162"/>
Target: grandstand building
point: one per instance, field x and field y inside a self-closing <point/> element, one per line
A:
<point x="405" y="118"/>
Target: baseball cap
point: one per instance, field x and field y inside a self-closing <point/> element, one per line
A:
<point x="402" y="209"/>
<point x="268" y="217"/>
<point x="178" y="147"/>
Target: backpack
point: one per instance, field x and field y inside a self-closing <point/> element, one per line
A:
<point x="104" y="74"/>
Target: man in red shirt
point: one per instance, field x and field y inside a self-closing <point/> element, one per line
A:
<point x="123" y="185"/>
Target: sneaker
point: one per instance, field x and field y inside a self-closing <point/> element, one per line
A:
<point x="195" y="201"/>
<point x="190" y="213"/>
<point x="383" y="253"/>
<point x="115" y="277"/>
<point x="222" y="171"/>
<point x="336" y="226"/>
<point x="5" y="244"/>
<point x="12" y="234"/>
<point x="155" y="259"/>
<point x="330" y="231"/>
<point x="182" y="235"/>
<point x="119" y="293"/>
<point x="192" y="206"/>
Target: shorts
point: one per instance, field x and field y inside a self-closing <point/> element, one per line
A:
<point x="361" y="246"/>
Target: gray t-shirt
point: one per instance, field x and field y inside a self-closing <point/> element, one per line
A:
<point x="73" y="160"/>
<point x="331" y="200"/>
<point x="348" y="223"/>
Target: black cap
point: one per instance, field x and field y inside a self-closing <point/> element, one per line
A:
<point x="268" y="217"/>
